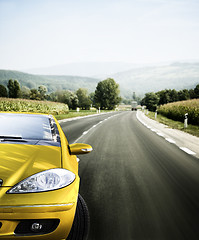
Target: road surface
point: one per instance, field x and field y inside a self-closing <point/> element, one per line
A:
<point x="137" y="185"/>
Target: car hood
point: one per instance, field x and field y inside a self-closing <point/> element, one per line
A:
<point x="19" y="161"/>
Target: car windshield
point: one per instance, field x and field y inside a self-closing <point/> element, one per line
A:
<point x="25" y="126"/>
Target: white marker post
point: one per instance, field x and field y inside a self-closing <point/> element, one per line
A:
<point x="186" y="120"/>
<point x="155" y="114"/>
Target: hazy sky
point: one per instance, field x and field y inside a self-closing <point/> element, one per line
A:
<point x="39" y="33"/>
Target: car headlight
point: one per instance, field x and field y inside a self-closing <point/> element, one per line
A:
<point x="44" y="181"/>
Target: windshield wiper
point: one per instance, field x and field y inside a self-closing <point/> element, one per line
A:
<point x="12" y="138"/>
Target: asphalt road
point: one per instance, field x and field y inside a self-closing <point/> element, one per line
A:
<point x="136" y="184"/>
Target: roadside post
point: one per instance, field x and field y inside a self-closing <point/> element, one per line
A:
<point x="99" y="109"/>
<point x="156" y="114"/>
<point x="77" y="109"/>
<point x="185" y="120"/>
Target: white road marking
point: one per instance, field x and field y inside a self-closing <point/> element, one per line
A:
<point x="84" y="133"/>
<point x="187" y="150"/>
<point x="160" y="134"/>
<point x="153" y="130"/>
<point x="170" y="140"/>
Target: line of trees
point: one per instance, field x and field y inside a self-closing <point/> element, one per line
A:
<point x="14" y="90"/>
<point x="153" y="100"/>
<point x="106" y="95"/>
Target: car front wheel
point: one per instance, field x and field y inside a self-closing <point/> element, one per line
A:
<point x="81" y="223"/>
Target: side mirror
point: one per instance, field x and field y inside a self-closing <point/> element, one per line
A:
<point x="79" y="148"/>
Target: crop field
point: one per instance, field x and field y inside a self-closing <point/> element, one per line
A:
<point x="23" y="105"/>
<point x="177" y="111"/>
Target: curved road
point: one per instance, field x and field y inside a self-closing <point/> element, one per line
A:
<point x="136" y="184"/>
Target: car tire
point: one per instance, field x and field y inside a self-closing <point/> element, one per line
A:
<point x="81" y="223"/>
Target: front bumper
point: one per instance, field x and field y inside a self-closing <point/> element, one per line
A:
<point x="54" y="206"/>
<point x="12" y="216"/>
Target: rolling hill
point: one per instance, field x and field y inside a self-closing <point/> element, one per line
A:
<point x="88" y="69"/>
<point x="152" y="79"/>
<point x="138" y="79"/>
<point x="52" y="82"/>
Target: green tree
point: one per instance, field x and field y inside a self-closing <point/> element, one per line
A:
<point x="164" y="97"/>
<point x="17" y="90"/>
<point x="52" y="97"/>
<point x="174" y="95"/>
<point x="107" y="94"/>
<point x="34" y="94"/>
<point x="192" y="94"/>
<point x="13" y="89"/>
<point x="3" y="91"/>
<point x="183" y="95"/>
<point x="151" y="101"/>
<point x="83" y="98"/>
<point x="68" y="97"/>
<point x="196" y="91"/>
<point x="10" y="88"/>
<point x="25" y="92"/>
<point x="42" y="90"/>
<point x="91" y="97"/>
<point x="127" y="101"/>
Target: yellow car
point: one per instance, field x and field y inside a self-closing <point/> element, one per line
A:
<point x="39" y="180"/>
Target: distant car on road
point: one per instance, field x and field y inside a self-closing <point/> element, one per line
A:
<point x="134" y="106"/>
<point x="39" y="180"/>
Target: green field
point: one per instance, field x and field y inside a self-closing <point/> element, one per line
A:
<point x="177" y="110"/>
<point x="22" y="105"/>
<point x="81" y="113"/>
<point x="60" y="110"/>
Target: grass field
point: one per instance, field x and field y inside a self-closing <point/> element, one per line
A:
<point x="81" y="113"/>
<point x="177" y="111"/>
<point x="60" y="110"/>
<point x="23" y="105"/>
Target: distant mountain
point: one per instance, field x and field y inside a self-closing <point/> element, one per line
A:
<point x="88" y="69"/>
<point x="52" y="82"/>
<point x="138" y="79"/>
<point x="154" y="78"/>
